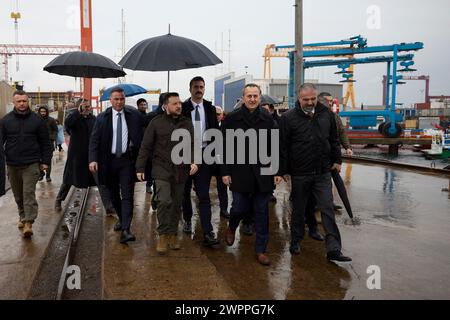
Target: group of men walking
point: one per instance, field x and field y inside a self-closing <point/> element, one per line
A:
<point x="123" y="145"/>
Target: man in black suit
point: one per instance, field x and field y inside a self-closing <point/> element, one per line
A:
<point x="203" y="116"/>
<point x="113" y="149"/>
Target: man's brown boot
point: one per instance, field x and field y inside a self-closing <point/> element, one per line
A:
<point x="20" y="224"/>
<point x="161" y="247"/>
<point x="173" y="242"/>
<point x="27" y="230"/>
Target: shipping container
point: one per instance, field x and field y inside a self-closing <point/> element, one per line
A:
<point x="422" y="106"/>
<point x="428" y="122"/>
<point x="411" y="124"/>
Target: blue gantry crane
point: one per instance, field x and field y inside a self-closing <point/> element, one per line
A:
<point x="363" y="118"/>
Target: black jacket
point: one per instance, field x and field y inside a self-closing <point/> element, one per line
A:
<point x="210" y="113"/>
<point x="157" y="148"/>
<point x="76" y="171"/>
<point x="100" y="144"/>
<point x="50" y="122"/>
<point x="308" y="145"/>
<point x="25" y="139"/>
<point x="247" y="177"/>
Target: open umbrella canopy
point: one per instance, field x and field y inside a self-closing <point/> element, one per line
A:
<point x="128" y="88"/>
<point x="266" y="99"/>
<point x="83" y="64"/>
<point x="168" y="53"/>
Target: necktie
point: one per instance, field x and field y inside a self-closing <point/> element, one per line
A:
<point x="197" y="114"/>
<point x="198" y="123"/>
<point x="119" y="136"/>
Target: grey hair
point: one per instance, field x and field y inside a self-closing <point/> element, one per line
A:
<point x="308" y="86"/>
<point x="251" y="85"/>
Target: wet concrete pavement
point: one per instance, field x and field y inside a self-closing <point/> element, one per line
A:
<point x="20" y="258"/>
<point x="404" y="230"/>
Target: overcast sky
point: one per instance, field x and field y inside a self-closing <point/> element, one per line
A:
<point x="253" y="24"/>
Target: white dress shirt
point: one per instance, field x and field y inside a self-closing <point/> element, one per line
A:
<point x="124" y="131"/>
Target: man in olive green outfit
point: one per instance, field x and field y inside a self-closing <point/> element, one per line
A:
<point x="170" y="178"/>
<point x="27" y="151"/>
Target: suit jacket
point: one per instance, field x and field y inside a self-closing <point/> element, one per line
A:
<point x="100" y="144"/>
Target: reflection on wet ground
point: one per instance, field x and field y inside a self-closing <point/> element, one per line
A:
<point x="404" y="229"/>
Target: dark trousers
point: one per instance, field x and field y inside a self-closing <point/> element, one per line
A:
<point x="244" y="203"/>
<point x="63" y="191"/>
<point x="310" y="216"/>
<point x="120" y="183"/>
<point x="222" y="193"/>
<point x="202" y="181"/>
<point x="320" y="187"/>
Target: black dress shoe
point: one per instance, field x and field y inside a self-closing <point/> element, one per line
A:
<point x="247" y="229"/>
<point x="337" y="256"/>
<point x="127" y="236"/>
<point x="294" y="248"/>
<point x="210" y="240"/>
<point x="154" y="204"/>
<point x="118" y="226"/>
<point x="187" y="228"/>
<point x="315" y="234"/>
<point x="224" y="214"/>
<point x="336" y="207"/>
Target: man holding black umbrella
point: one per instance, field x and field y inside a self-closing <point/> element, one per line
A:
<point x="113" y="149"/>
<point x="203" y="116"/>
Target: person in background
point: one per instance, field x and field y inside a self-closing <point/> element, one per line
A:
<point x="142" y="107"/>
<point x="52" y="132"/>
<point x="60" y="136"/>
<point x="222" y="190"/>
<point x="79" y="124"/>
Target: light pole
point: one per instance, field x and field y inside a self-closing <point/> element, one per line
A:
<point x="298" y="45"/>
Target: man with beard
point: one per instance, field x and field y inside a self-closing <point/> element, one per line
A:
<point x="309" y="151"/>
<point x="170" y="178"/>
<point x="203" y="116"/>
<point x="52" y="132"/>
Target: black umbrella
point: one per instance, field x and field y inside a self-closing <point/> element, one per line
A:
<point x="339" y="183"/>
<point x="168" y="53"/>
<point x="266" y="99"/>
<point x="84" y="64"/>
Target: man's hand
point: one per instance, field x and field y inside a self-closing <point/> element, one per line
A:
<point x="226" y="180"/>
<point x="194" y="169"/>
<point x="140" y="176"/>
<point x="93" y="167"/>
<point x="336" y="167"/>
<point x="348" y="152"/>
<point x="43" y="167"/>
<point x="278" y="180"/>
